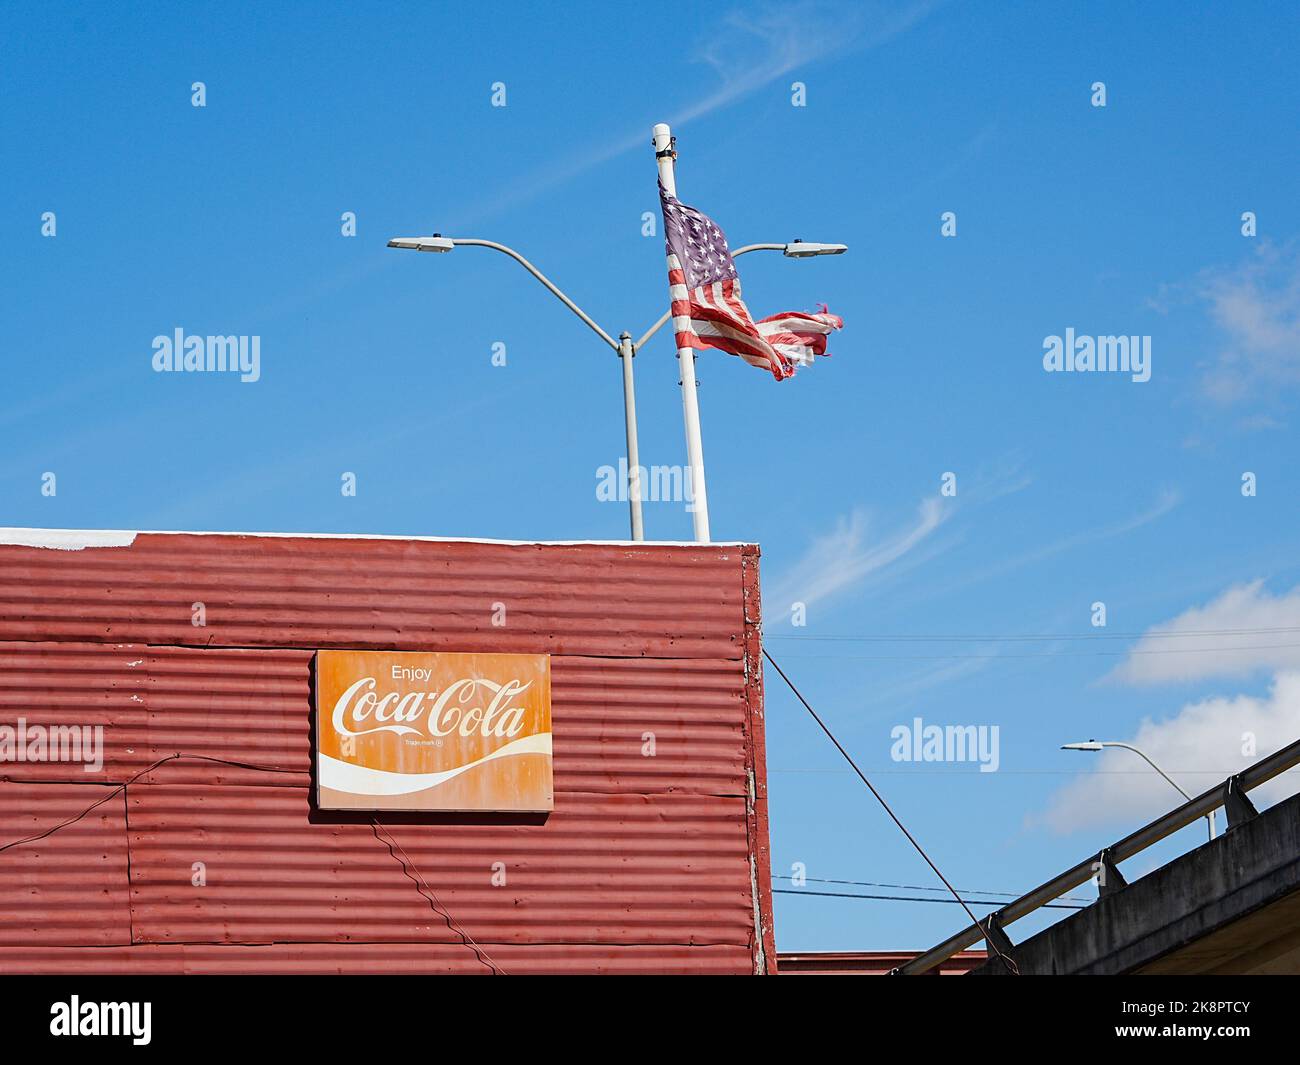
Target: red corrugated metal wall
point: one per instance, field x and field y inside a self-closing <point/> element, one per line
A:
<point x="648" y="864"/>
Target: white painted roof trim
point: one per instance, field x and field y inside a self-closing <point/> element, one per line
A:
<point x="80" y="539"/>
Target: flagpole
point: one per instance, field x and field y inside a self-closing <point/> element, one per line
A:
<point x="665" y="155"/>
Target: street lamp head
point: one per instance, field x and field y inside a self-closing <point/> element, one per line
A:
<point x="1091" y="745"/>
<point x="799" y="249"/>
<point x="437" y="242"/>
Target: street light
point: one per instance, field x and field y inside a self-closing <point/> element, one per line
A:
<point x="623" y="345"/>
<point x="798" y="249"/>
<point x="433" y="243"/>
<point x="1097" y="745"/>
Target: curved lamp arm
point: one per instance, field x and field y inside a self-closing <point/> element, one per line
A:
<point x="1142" y="755"/>
<point x="1096" y="745"/>
<point x="544" y="280"/>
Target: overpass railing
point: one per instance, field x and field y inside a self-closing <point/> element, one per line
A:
<point x="1230" y="794"/>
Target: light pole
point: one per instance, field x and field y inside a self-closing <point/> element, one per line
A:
<point x="1097" y="745"/>
<point x="624" y="346"/>
<point x="627" y="350"/>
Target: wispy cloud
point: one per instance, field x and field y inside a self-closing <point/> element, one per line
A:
<point x="1255" y="307"/>
<point x="752" y="49"/>
<point x="847" y="555"/>
<point x="747" y="51"/>
<point x="1235" y="635"/>
<point x="1166" y="501"/>
<point x="1203" y="743"/>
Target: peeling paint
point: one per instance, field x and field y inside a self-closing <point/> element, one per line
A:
<point x="67" y="539"/>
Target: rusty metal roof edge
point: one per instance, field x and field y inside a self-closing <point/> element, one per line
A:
<point x="78" y="539"/>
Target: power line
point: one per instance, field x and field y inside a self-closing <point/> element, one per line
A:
<point x="916" y="887"/>
<point x="1011" y="966"/>
<point x="913" y="898"/>
<point x="914" y="770"/>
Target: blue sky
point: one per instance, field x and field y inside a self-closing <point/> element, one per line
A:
<point x="1072" y="489"/>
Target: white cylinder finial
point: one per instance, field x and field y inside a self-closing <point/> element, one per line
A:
<point x="663" y="144"/>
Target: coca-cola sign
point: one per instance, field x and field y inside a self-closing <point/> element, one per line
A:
<point x="400" y="730"/>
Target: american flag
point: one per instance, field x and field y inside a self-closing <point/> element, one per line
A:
<point x="706" y="305"/>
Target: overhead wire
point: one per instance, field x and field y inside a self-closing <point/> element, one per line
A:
<point x="912" y="898"/>
<point x="910" y="887"/>
<point x="975" y="921"/>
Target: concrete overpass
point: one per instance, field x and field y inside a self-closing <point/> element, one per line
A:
<point x="1230" y="906"/>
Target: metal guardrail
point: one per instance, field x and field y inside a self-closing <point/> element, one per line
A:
<point x="1230" y="794"/>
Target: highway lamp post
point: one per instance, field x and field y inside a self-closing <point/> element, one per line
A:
<point x="1096" y="745"/>
<point x="623" y="346"/>
<point x="626" y="349"/>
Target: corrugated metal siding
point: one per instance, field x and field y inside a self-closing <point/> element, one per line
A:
<point x="70" y="887"/>
<point x="608" y="869"/>
<point x="367" y="958"/>
<point x="77" y="684"/>
<point x="586" y="599"/>
<point x="647" y="863"/>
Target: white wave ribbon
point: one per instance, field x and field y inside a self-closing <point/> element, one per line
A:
<point x="362" y="780"/>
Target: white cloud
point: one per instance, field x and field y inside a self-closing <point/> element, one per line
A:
<point x="845" y="556"/>
<point x="1207" y="648"/>
<point x="1199" y="747"/>
<point x="1256" y="306"/>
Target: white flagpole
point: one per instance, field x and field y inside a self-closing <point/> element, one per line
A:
<point x="664" y="154"/>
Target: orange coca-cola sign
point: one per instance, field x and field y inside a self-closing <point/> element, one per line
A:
<point x="399" y="730"/>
